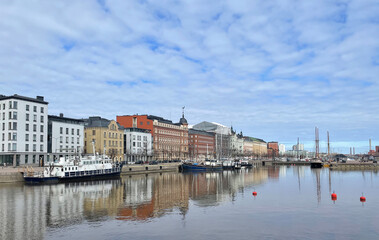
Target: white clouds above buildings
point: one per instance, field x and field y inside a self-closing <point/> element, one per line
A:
<point x="274" y="69"/>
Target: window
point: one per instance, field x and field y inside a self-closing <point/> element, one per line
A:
<point x="105" y="135"/>
<point x="14" y="104"/>
<point x="109" y="135"/>
<point x="41" y="118"/>
<point x="105" y="143"/>
<point x="42" y="110"/>
<point x="93" y="132"/>
<point x="134" y="137"/>
<point x="34" y="128"/>
<point x="60" y="148"/>
<point x="26" y="148"/>
<point x="145" y="138"/>
<point x="27" y="117"/>
<point x="27" y="157"/>
<point x="66" y="139"/>
<point x="138" y="144"/>
<point x="61" y="130"/>
<point x="116" y="135"/>
<point x="41" y="128"/>
<point x="77" y="132"/>
<point x="3" y="126"/>
<point x="34" y="149"/>
<point x="27" y="137"/>
<point x="72" y="131"/>
<point x="14" y="146"/>
<point x="77" y="141"/>
<point x="34" y="108"/>
<point x="72" y="139"/>
<point x="27" y="127"/>
<point x="120" y="136"/>
<point x="3" y="137"/>
<point x="3" y="116"/>
<point x="60" y="139"/>
<point x="139" y="138"/>
<point x="41" y="138"/>
<point x="134" y="144"/>
<point x="141" y="123"/>
<point x="41" y="148"/>
<point x="66" y="130"/>
<point x="34" y="118"/>
<point x="2" y="147"/>
<point x="14" y="126"/>
<point x="14" y="136"/>
<point x="27" y="107"/>
<point x="14" y="116"/>
<point x="34" y="138"/>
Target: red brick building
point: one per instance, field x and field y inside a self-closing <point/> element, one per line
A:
<point x="170" y="140"/>
<point x="201" y="144"/>
<point x="272" y="149"/>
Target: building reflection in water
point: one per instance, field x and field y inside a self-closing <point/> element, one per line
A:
<point x="30" y="211"/>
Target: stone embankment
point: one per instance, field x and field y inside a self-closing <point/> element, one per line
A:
<point x="12" y="174"/>
<point x="354" y="166"/>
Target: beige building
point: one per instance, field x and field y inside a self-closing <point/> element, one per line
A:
<point x="107" y="135"/>
<point x="259" y="148"/>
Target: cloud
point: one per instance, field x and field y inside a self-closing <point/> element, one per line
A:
<point x="274" y="69"/>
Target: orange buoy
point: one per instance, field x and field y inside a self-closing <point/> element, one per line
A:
<point x="362" y="198"/>
<point x="334" y="196"/>
<point x="254" y="193"/>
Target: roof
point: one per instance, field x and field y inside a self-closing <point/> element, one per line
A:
<point x="200" y="132"/>
<point x="38" y="99"/>
<point x="99" y="122"/>
<point x="137" y="130"/>
<point x="65" y="119"/>
<point x="212" y="127"/>
<point x="254" y="139"/>
<point x="159" y="119"/>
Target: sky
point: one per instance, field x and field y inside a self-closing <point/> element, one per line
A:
<point x="271" y="69"/>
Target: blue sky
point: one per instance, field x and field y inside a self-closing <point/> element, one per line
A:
<point x="273" y="69"/>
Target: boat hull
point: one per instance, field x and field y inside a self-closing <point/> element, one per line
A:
<point x="52" y="180"/>
<point x="191" y="167"/>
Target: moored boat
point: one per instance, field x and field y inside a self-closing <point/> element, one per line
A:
<point x="208" y="165"/>
<point x="75" y="169"/>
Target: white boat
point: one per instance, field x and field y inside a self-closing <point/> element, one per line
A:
<point x="75" y="169"/>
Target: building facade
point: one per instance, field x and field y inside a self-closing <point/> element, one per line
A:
<point x="282" y="149"/>
<point x="222" y="137"/>
<point x="170" y="140"/>
<point x="23" y="130"/>
<point x="138" y="145"/>
<point x="273" y="149"/>
<point x="201" y="145"/>
<point x="236" y="144"/>
<point x="106" y="135"/>
<point x="65" y="136"/>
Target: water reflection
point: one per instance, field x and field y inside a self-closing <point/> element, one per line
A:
<point x="32" y="211"/>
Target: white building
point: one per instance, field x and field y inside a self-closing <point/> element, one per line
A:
<point x="65" y="136"/>
<point x="282" y="149"/>
<point x="23" y="130"/>
<point x="137" y="144"/>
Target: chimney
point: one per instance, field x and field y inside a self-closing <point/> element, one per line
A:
<point x="40" y="98"/>
<point x="61" y="115"/>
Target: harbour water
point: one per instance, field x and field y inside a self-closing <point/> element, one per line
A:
<point x="291" y="203"/>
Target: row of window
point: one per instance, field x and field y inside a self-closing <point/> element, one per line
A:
<point x="13" y="147"/>
<point x="68" y="130"/>
<point x="67" y="139"/>
<point x="139" y="137"/>
<point x="14" y="105"/>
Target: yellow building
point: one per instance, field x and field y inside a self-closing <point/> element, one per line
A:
<point x="107" y="135"/>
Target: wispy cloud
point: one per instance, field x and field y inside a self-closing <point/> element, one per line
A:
<point x="275" y="69"/>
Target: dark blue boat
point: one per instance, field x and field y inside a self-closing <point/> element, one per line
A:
<point x="200" y="167"/>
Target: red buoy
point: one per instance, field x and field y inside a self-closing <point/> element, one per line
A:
<point x="363" y="199"/>
<point x="254" y="193"/>
<point x="334" y="196"/>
